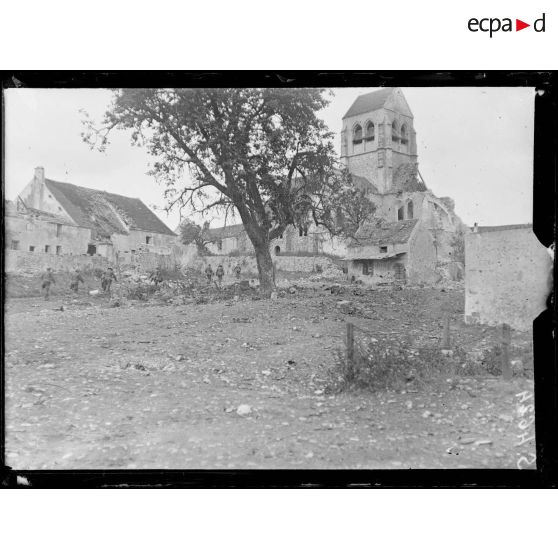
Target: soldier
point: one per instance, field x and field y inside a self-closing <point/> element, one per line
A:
<point x="209" y="273"/>
<point x="156" y="277"/>
<point x="220" y="272"/>
<point x="106" y="279"/>
<point x="237" y="271"/>
<point x="75" y="280"/>
<point x="46" y="279"/>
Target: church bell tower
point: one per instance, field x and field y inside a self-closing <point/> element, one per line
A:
<point x="378" y="136"/>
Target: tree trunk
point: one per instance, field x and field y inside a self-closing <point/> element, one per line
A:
<point x="265" y="268"/>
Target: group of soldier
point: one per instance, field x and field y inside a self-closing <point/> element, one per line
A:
<point x="220" y="273"/>
<point x="47" y="280"/>
<point x="108" y="276"/>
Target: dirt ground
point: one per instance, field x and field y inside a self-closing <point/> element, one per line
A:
<point x="153" y="385"/>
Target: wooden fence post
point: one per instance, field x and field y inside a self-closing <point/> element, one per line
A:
<point x="446" y="334"/>
<point x="506" y="341"/>
<point x="350" y="349"/>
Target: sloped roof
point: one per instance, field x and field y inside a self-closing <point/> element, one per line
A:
<point x="220" y="233"/>
<point x="358" y="181"/>
<point x="377" y="233"/>
<point x="104" y="212"/>
<point x="369" y="101"/>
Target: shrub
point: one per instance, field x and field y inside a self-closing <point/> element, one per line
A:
<point x="392" y="364"/>
<point x="139" y="291"/>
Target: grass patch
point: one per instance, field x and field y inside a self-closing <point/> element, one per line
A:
<point x="389" y="364"/>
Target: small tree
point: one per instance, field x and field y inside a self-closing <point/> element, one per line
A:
<point x="190" y="233"/>
<point x="262" y="153"/>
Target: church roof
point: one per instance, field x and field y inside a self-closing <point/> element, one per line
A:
<point x="369" y="101"/>
<point x="105" y="212"/>
<point x="376" y="233"/>
<point x="364" y="183"/>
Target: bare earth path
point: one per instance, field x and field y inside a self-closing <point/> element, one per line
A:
<point x="158" y="386"/>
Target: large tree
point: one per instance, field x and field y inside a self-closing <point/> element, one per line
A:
<point x="263" y="153"/>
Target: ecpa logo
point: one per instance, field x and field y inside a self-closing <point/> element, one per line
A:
<point x="494" y="24"/>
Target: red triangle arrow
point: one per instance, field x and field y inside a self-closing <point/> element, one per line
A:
<point x="519" y="25"/>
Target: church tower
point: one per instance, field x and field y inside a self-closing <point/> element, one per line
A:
<point x="378" y="137"/>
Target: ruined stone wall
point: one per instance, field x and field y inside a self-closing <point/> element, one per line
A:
<point x="421" y="265"/>
<point x="144" y="262"/>
<point x="507" y="276"/>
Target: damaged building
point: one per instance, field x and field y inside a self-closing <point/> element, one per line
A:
<point x="58" y="217"/>
<point x="378" y="143"/>
<point x="379" y="148"/>
<point x="397" y="252"/>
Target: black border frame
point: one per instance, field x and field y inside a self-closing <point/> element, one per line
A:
<point x="544" y="327"/>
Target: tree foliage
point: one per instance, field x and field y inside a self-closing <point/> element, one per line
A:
<point x="191" y="232"/>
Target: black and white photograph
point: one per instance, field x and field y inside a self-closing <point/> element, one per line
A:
<point x="271" y="278"/>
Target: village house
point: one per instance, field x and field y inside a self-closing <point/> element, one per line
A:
<point x="401" y="252"/>
<point x="227" y="240"/>
<point x="61" y="218"/>
<point x="39" y="231"/>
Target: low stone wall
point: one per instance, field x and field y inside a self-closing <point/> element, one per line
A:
<point x="144" y="262"/>
<point x="31" y="263"/>
<point x="286" y="264"/>
<point x="34" y="263"/>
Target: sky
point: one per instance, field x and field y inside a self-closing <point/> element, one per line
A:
<point x="475" y="145"/>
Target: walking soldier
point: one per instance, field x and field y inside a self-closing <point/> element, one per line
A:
<point x="46" y="280"/>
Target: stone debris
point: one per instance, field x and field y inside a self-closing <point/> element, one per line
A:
<point x="243" y="410"/>
<point x="345" y="307"/>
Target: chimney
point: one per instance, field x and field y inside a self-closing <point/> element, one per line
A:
<point x="40" y="174"/>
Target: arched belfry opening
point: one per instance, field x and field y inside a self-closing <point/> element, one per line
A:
<point x="394" y="131"/>
<point x="370" y="131"/>
<point x="357" y="134"/>
<point x="404" y="133"/>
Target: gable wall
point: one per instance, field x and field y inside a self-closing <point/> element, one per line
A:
<point x="37" y="195"/>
